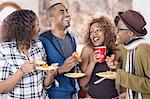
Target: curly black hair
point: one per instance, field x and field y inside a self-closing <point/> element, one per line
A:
<point x="20" y="26"/>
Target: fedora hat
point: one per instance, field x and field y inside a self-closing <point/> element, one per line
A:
<point x="134" y="21"/>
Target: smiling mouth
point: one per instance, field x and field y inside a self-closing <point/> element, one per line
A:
<point x="117" y="40"/>
<point x="95" y="39"/>
<point x="67" y="19"/>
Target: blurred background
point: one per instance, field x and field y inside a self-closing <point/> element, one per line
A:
<point x="81" y="11"/>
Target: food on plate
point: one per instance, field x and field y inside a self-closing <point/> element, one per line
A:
<point x="39" y="62"/>
<point x="105" y="74"/>
<point x="77" y="56"/>
<point x="43" y="66"/>
<point x="74" y="75"/>
<point x="52" y="67"/>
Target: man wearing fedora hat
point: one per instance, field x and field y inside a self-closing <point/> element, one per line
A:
<point x="135" y="72"/>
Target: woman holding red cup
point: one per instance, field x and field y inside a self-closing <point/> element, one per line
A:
<point x="100" y="43"/>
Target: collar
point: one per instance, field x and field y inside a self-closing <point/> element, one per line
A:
<point x="135" y="42"/>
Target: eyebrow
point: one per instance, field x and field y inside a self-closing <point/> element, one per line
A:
<point x="63" y="10"/>
<point x="96" y="28"/>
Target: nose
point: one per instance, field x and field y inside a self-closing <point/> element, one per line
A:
<point x="67" y="14"/>
<point x="94" y="33"/>
<point x="117" y="30"/>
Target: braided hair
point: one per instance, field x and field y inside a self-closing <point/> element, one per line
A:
<point x="20" y="26"/>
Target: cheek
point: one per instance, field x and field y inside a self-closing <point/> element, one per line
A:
<point x="119" y="35"/>
<point x="122" y="37"/>
<point x="37" y="30"/>
<point x="91" y="36"/>
<point x="102" y="39"/>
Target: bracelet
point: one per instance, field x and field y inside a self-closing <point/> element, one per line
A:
<point x="22" y="71"/>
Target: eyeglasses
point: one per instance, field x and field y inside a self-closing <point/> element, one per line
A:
<point x="119" y="30"/>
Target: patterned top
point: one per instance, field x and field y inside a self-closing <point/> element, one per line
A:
<point x="31" y="85"/>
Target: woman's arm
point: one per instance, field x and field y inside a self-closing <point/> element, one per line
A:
<point x="10" y="83"/>
<point x="87" y="65"/>
<point x="7" y="82"/>
<point x="49" y="79"/>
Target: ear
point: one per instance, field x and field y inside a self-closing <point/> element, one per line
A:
<point x="51" y="20"/>
<point x="130" y="33"/>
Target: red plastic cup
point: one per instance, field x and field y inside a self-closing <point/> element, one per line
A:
<point x="100" y="53"/>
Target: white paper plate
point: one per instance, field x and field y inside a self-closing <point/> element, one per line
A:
<point x="74" y="75"/>
<point x="49" y="68"/>
<point x="105" y="74"/>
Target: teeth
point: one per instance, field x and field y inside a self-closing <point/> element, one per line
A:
<point x="67" y="19"/>
<point x="116" y="42"/>
<point x="117" y="36"/>
<point x="95" y="39"/>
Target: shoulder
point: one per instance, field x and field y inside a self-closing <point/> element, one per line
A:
<point x="143" y="51"/>
<point x="39" y="43"/>
<point x="70" y="35"/>
<point x="87" y="50"/>
<point x="7" y="47"/>
<point x="143" y="48"/>
<point x="46" y="33"/>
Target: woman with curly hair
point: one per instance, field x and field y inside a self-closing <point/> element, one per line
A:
<point x="100" y="33"/>
<point x="18" y="77"/>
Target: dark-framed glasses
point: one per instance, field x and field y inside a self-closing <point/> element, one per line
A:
<point x="119" y="30"/>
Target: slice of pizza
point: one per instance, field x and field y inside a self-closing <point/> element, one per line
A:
<point x="39" y="62"/>
<point x="77" y="56"/>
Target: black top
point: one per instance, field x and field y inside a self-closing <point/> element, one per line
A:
<point x="105" y="89"/>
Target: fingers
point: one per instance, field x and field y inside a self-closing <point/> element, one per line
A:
<point x="77" y="56"/>
<point x="71" y="61"/>
<point x="111" y="61"/>
<point x="97" y="55"/>
<point x="28" y="67"/>
<point x="111" y="58"/>
<point x="29" y="62"/>
<point x="108" y="59"/>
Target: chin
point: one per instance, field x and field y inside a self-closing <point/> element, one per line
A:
<point x="120" y="42"/>
<point x="96" y="44"/>
<point x="66" y="26"/>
